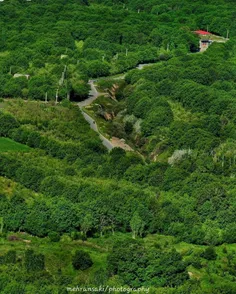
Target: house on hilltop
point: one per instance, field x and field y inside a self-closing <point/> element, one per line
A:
<point x="205" y="39"/>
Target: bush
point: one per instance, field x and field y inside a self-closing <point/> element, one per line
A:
<point x="7" y="123"/>
<point x="157" y="245"/>
<point x="54" y="236"/>
<point x="81" y="260"/>
<point x="10" y="257"/>
<point x="34" y="262"/>
<point x="70" y="171"/>
<point x="78" y="236"/>
<point x="14" y="288"/>
<point x="209" y="253"/>
<point x="224" y="250"/>
<point x="196" y="263"/>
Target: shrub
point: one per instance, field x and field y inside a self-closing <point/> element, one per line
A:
<point x="54" y="236"/>
<point x="209" y="253"/>
<point x="196" y="263"/>
<point x="81" y="260"/>
<point x="70" y="171"/>
<point x="10" y="257"/>
<point x="7" y="123"/>
<point x="34" y="262"/>
<point x="78" y="236"/>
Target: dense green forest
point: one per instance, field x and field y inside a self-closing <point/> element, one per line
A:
<point x="162" y="216"/>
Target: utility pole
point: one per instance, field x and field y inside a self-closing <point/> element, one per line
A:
<point x="1" y="224"/>
<point x="126" y="52"/>
<point x="46" y="97"/>
<point x="116" y="56"/>
<point x="168" y="47"/>
<point x="57" y="96"/>
<point x="227" y="34"/>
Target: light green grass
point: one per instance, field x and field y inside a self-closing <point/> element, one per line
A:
<point x="8" y="145"/>
<point x="4" y="53"/>
<point x="58" y="255"/>
<point x="182" y="114"/>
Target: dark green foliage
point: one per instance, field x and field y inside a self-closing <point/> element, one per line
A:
<point x="54" y="236"/>
<point x="131" y="260"/>
<point x="70" y="171"/>
<point x="181" y="118"/>
<point x="128" y="128"/>
<point x="78" y="236"/>
<point x="98" y="69"/>
<point x="30" y="176"/>
<point x="7" y="123"/>
<point x="81" y="260"/>
<point x="33" y="262"/>
<point x="14" y="288"/>
<point x="229" y="236"/>
<point x="209" y="253"/>
<point x="10" y="257"/>
<point x="161" y="116"/>
<point x="38" y="214"/>
<point x="196" y="263"/>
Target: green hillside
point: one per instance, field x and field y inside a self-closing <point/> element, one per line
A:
<point x="75" y="216"/>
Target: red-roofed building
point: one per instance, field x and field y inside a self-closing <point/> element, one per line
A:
<point x="204" y="41"/>
<point x="202" y="33"/>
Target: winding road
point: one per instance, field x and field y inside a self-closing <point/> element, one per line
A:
<point x="93" y="125"/>
<point x="93" y="95"/>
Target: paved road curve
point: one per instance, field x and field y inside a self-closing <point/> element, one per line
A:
<point x="93" y="125"/>
<point x="93" y="95"/>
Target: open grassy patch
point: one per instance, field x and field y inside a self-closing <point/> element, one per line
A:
<point x="58" y="255"/>
<point x="182" y="114"/>
<point x="8" y="145"/>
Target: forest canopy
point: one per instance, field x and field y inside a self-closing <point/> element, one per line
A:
<point x="161" y="216"/>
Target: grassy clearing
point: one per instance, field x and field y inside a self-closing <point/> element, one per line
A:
<point x="8" y="145"/>
<point x="191" y="252"/>
<point x="216" y="38"/>
<point x="182" y="114"/>
<point x="58" y="255"/>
